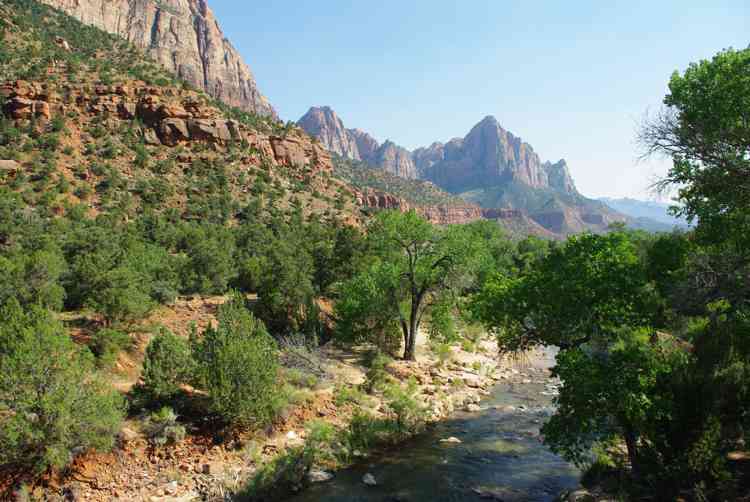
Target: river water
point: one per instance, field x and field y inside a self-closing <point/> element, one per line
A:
<point x="500" y="456"/>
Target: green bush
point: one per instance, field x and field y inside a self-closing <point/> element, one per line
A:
<point x="106" y="344"/>
<point x="377" y="375"/>
<point x="404" y="403"/>
<point x="238" y="366"/>
<point x="52" y="400"/>
<point x="162" y="428"/>
<point x="168" y="363"/>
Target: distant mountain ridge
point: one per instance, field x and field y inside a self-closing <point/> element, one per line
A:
<point x="651" y="210"/>
<point x="489" y="166"/>
<point x="323" y="123"/>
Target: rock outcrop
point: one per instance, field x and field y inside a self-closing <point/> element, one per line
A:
<point x="394" y="159"/>
<point x="168" y="116"/>
<point x="183" y="36"/>
<point x="322" y="123"/>
<point x="439" y="215"/>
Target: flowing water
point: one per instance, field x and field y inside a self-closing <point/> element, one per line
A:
<point x="500" y="456"/>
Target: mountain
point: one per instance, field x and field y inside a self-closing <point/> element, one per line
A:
<point x="323" y="123"/>
<point x="78" y="131"/>
<point x="184" y="37"/>
<point x="489" y="167"/>
<point x="488" y="155"/>
<point x="654" y="211"/>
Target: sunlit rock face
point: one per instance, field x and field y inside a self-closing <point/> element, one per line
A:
<point x="182" y="35"/>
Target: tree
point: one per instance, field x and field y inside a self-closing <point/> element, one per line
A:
<point x="237" y="364"/>
<point x="52" y="399"/>
<point x="414" y="264"/>
<point x="705" y="129"/>
<point x="167" y="365"/>
<point x="587" y="297"/>
<point x="583" y="291"/>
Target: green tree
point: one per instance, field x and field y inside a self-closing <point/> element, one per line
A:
<point x="51" y="398"/>
<point x="168" y="364"/>
<point x="414" y="264"/>
<point x="583" y="291"/>
<point x="704" y="128"/>
<point x="587" y="297"/>
<point x="238" y="366"/>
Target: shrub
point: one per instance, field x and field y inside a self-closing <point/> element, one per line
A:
<point x="52" y="400"/>
<point x="403" y="402"/>
<point x="162" y="428"/>
<point x="238" y="366"/>
<point x="377" y="374"/>
<point x="106" y="344"/>
<point x="168" y="363"/>
<point x="443" y="353"/>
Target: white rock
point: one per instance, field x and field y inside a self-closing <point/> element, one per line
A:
<point x="318" y="476"/>
<point x="291" y="435"/>
<point x="452" y="440"/>
<point x="369" y="479"/>
<point x="473" y="407"/>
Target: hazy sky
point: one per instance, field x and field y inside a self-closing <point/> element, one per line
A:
<point x="573" y="79"/>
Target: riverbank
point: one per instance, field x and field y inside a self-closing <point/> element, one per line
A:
<point x="200" y="467"/>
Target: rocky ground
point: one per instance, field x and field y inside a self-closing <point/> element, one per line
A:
<point x="199" y="468"/>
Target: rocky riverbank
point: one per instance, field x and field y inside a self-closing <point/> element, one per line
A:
<point x="206" y="466"/>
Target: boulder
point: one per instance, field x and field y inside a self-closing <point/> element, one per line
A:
<point x="369" y="480"/>
<point x="9" y="165"/>
<point x="319" y="476"/>
<point x="173" y="131"/>
<point x="451" y="440"/>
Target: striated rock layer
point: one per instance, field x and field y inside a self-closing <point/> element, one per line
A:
<point x="182" y="35"/>
<point x="168" y="116"/>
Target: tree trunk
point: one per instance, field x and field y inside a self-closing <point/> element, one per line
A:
<point x="631" y="441"/>
<point x="410" y="349"/>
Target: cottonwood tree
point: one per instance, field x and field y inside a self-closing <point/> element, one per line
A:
<point x="413" y="264"/>
<point x="589" y="297"/>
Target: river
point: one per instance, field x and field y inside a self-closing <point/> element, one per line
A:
<point x="500" y="456"/>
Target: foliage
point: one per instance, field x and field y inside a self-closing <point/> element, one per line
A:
<point x="415" y="263"/>
<point x="238" y="366"/>
<point x="600" y="274"/>
<point x="106" y="344"/>
<point x="162" y="428"/>
<point x="704" y="129"/>
<point x="167" y="364"/>
<point x="53" y="403"/>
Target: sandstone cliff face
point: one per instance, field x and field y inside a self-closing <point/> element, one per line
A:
<point x="438" y="215"/>
<point x="394" y="159"/>
<point x="323" y="124"/>
<point x="182" y="35"/>
<point x="488" y="155"/>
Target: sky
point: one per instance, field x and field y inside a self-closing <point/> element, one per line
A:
<point x="573" y="79"/>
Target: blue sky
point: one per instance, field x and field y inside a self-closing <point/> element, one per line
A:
<point x="573" y="79"/>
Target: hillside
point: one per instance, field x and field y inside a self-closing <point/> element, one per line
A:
<point x="184" y="37"/>
<point x="90" y="120"/>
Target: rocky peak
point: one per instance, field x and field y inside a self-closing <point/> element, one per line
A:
<point x="559" y="177"/>
<point x="395" y="159"/>
<point x="366" y="144"/>
<point x="321" y="122"/>
<point x="184" y="37"/>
